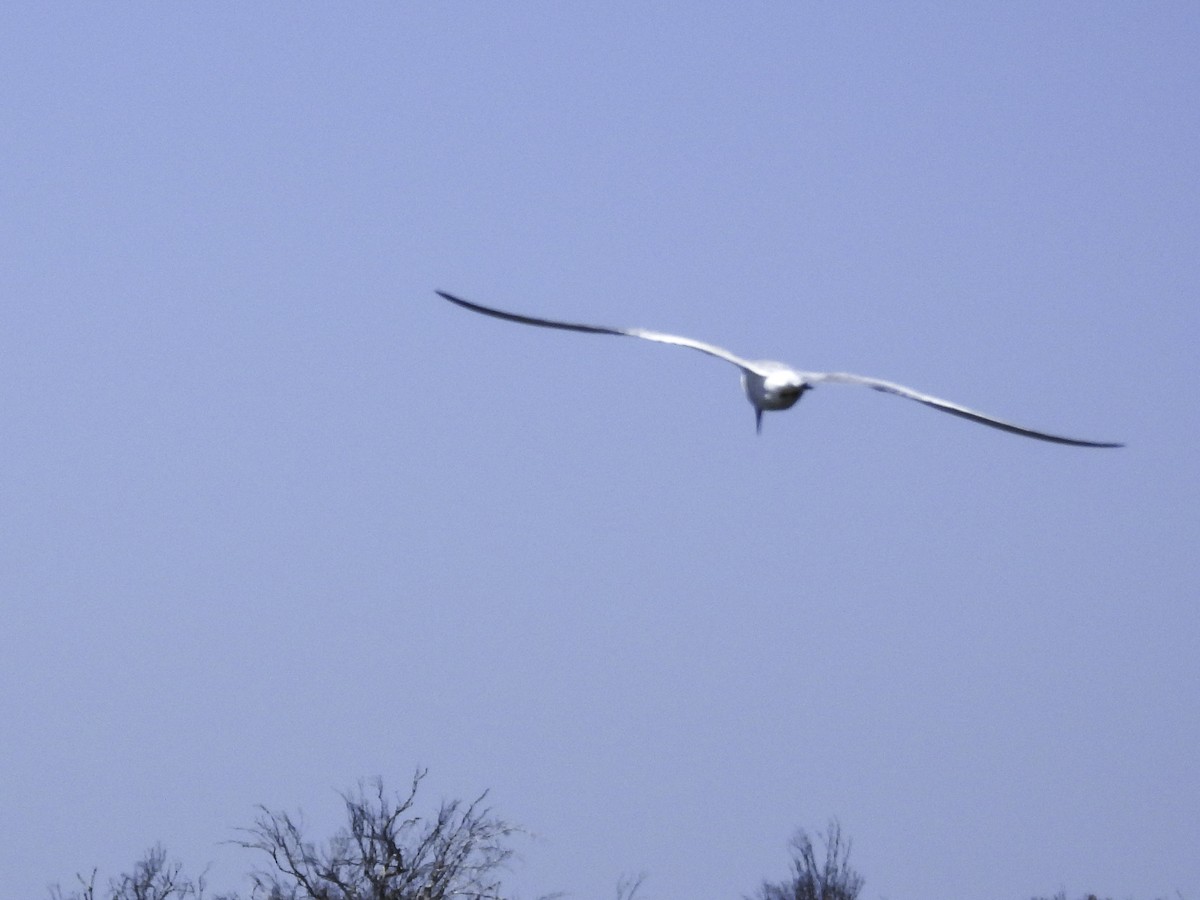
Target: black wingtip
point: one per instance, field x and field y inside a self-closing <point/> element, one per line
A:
<point x="465" y="304"/>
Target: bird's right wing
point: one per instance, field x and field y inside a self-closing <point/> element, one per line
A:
<point x="656" y="336"/>
<point x="946" y="406"/>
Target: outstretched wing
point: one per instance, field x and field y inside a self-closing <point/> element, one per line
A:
<point x="659" y="337"/>
<point x="937" y="403"/>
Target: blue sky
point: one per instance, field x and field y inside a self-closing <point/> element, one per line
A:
<point x="275" y="517"/>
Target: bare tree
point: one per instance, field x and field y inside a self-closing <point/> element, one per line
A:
<point x="812" y="880"/>
<point x="153" y="878"/>
<point x="386" y="851"/>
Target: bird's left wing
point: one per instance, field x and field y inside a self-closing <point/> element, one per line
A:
<point x="946" y="406"/>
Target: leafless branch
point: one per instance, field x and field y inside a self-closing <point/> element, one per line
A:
<point x="386" y="851"/>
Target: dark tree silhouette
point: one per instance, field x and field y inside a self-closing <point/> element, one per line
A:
<point x="832" y="879"/>
<point x="386" y="851"/>
<point x="153" y="878"/>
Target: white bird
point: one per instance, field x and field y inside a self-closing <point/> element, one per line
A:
<point x="775" y="386"/>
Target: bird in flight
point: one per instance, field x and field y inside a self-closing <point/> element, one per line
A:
<point x="775" y="386"/>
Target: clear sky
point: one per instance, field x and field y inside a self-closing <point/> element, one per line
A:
<point x="274" y="517"/>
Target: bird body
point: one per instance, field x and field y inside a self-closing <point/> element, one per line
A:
<point x="773" y="386"/>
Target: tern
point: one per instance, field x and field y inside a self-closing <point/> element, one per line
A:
<point x="773" y="386"/>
